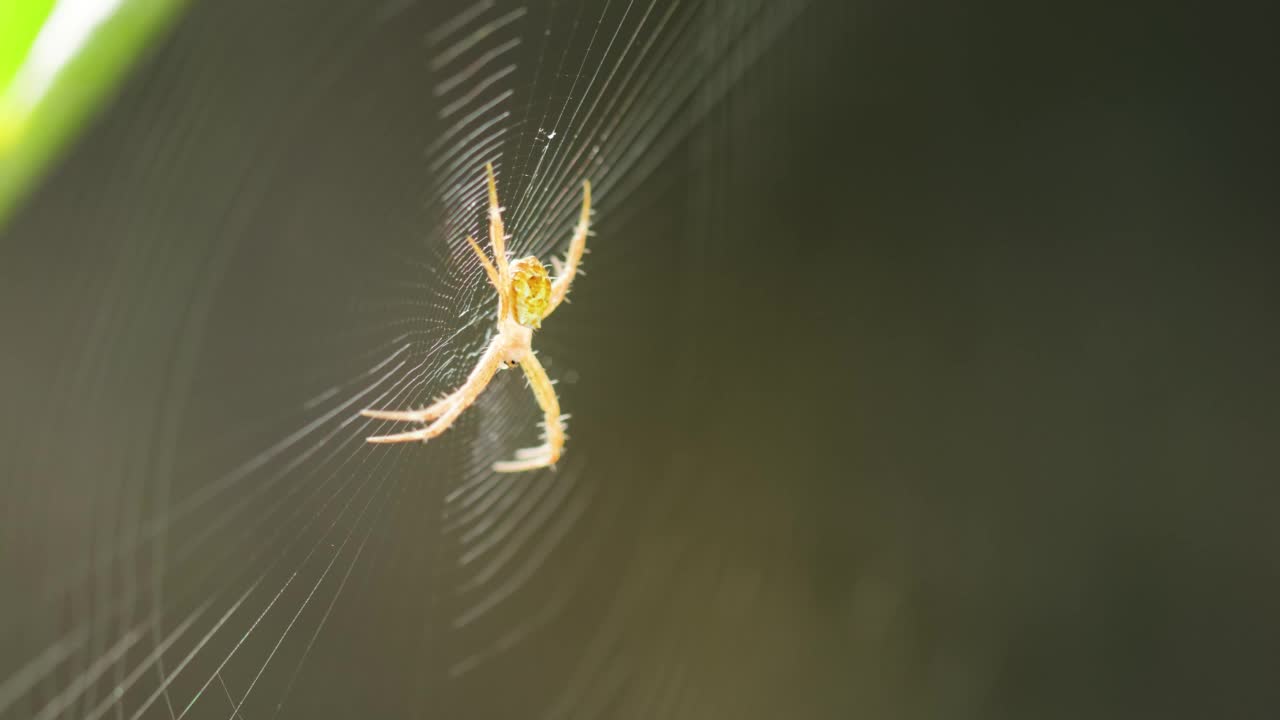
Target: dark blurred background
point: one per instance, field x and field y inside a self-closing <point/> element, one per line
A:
<point x="924" y="367"/>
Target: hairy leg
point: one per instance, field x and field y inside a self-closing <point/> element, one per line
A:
<point x="549" y="452"/>
<point x="497" y="238"/>
<point x="577" y="246"/>
<point x="446" y="410"/>
<point x="489" y="269"/>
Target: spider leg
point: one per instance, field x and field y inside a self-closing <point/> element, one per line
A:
<point x="497" y="238"/>
<point x="577" y="246"/>
<point x="549" y="452"/>
<point x="492" y="272"/>
<point x="431" y="412"/>
<point x="446" y="410"/>
<point x="489" y="269"/>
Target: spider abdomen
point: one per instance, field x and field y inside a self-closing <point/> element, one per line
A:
<point x="530" y="291"/>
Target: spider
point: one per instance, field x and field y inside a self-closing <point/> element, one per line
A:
<point x="526" y="296"/>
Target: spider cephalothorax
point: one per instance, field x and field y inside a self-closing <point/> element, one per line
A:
<point x="526" y="295"/>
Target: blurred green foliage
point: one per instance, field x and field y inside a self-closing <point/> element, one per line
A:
<point x="58" y="60"/>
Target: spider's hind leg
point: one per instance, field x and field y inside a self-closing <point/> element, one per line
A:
<point x="566" y="271"/>
<point x="497" y="233"/>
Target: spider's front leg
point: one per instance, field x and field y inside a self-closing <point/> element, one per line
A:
<point x="548" y="453"/>
<point x="430" y="412"/>
<point x="446" y="410"/>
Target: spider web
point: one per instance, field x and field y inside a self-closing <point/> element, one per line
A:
<point x="260" y="248"/>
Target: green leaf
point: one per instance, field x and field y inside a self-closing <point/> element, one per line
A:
<point x="59" y="60"/>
